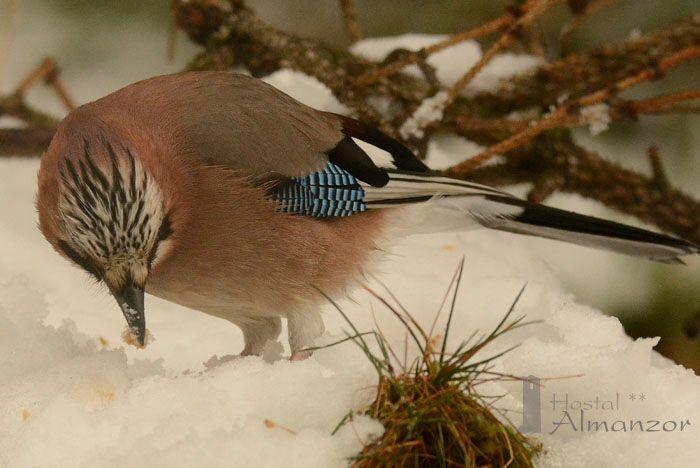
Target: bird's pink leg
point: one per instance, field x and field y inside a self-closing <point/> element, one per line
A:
<point x="257" y="332"/>
<point x="300" y="355"/>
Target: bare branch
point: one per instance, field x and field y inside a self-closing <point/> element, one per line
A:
<point x="47" y="72"/>
<point x="24" y="142"/>
<point x="589" y="9"/>
<point x="542" y="153"/>
<point x="396" y="66"/>
<point x="40" y="127"/>
<point x="532" y="10"/>
<point x="657" y="168"/>
<point x="14" y="106"/>
<point x="580" y="74"/>
<point x="352" y="29"/>
<point x="585" y="173"/>
<point x="567" y="114"/>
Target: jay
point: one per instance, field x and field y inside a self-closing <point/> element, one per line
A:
<point x="218" y="192"/>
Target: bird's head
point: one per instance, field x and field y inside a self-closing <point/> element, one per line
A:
<point x="100" y="208"/>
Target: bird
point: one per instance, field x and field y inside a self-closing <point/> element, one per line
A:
<point x="218" y="192"/>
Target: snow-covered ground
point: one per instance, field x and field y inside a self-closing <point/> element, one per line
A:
<point x="72" y="394"/>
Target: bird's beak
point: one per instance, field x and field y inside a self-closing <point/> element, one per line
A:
<point x="130" y="299"/>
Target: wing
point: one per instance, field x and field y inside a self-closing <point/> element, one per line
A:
<point x="227" y="119"/>
<point x="351" y="178"/>
<point x="331" y="192"/>
<point x="244" y="124"/>
<point x="256" y="129"/>
<point x="352" y="181"/>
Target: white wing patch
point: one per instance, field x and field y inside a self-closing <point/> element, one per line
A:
<point x="406" y="188"/>
<point x="379" y="157"/>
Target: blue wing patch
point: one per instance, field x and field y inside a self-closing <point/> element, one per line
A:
<point x="331" y="192"/>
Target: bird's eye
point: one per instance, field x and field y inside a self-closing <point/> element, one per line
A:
<point x="79" y="260"/>
<point x="164" y="232"/>
<point x="166" y="229"/>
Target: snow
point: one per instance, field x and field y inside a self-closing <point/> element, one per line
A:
<point x="69" y="400"/>
<point x="500" y="69"/>
<point x="430" y="110"/>
<point x="307" y="88"/>
<point x="73" y="394"/>
<point x="597" y="116"/>
<point x="451" y="63"/>
<point x="445" y="150"/>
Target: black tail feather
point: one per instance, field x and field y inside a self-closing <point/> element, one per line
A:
<point x="502" y="211"/>
<point x="545" y="221"/>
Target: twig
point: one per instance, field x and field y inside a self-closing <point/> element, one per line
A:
<point x="273" y="425"/>
<point x="396" y="66"/>
<point x="46" y="72"/>
<point x="433" y="109"/>
<point x="531" y="10"/>
<point x="14" y="106"/>
<point x="557" y="118"/>
<point x="233" y="35"/>
<point x="567" y="114"/>
<point x="352" y="28"/>
<point x="24" y="142"/>
<point x="40" y="127"/>
<point x="545" y="186"/>
<point x="590" y="9"/>
<point x="534" y="41"/>
<point x="657" y="169"/>
<point x="651" y="73"/>
<point x="587" y="174"/>
<point x="414" y="124"/>
<point x="667" y="103"/>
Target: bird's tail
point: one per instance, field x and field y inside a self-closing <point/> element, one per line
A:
<point x="498" y="210"/>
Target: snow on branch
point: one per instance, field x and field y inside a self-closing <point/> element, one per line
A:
<point x="36" y="128"/>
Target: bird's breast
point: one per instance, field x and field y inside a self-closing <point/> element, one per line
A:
<point x="239" y="255"/>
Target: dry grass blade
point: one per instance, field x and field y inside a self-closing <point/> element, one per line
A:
<point x="411" y="329"/>
<point x="432" y="413"/>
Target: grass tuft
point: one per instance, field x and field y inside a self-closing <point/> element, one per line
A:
<point x="431" y="410"/>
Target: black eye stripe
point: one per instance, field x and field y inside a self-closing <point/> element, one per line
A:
<point x="78" y="260"/>
<point x="166" y="228"/>
<point x="164" y="232"/>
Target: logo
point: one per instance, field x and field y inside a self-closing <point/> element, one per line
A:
<point x="566" y="412"/>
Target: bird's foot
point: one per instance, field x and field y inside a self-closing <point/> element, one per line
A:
<point x="300" y="355"/>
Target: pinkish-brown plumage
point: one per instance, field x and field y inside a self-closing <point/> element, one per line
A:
<point x="218" y="192"/>
<point x="257" y="262"/>
<point x="232" y="253"/>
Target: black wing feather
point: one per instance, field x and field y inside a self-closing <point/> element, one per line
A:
<point x="348" y="155"/>
<point x="404" y="159"/>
